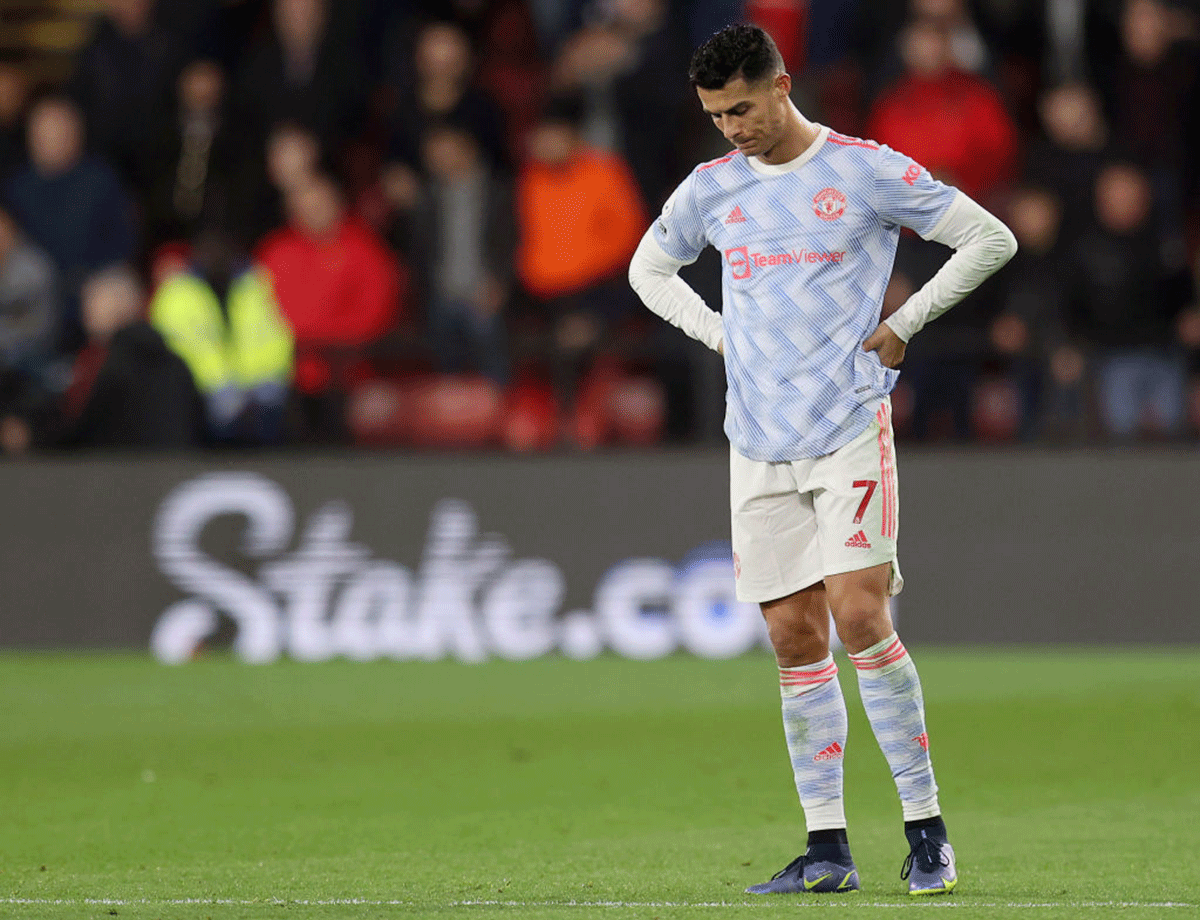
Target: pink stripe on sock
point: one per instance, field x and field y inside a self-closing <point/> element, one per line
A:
<point x="889" y="655"/>
<point x="796" y="677"/>
<point x="874" y="664"/>
<point x="866" y="660"/>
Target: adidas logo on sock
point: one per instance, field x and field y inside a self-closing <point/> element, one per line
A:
<point x="833" y="752"/>
<point x="859" y="541"/>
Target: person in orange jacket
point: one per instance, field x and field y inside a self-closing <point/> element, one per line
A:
<point x="580" y="216"/>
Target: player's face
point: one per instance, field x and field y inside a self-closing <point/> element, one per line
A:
<point x="752" y="116"/>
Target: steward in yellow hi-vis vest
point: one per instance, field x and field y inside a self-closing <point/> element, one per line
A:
<point x="239" y="349"/>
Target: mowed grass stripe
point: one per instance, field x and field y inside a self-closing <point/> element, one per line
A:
<point x="1067" y="777"/>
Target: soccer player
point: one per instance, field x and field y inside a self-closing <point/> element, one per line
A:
<point x="807" y="221"/>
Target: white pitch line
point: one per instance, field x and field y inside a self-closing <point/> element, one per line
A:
<point x="849" y="902"/>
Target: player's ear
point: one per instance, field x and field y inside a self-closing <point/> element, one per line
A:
<point x="783" y="85"/>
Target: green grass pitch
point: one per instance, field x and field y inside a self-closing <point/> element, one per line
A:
<point x="560" y="789"/>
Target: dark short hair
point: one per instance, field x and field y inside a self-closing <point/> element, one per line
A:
<point x="736" y="51"/>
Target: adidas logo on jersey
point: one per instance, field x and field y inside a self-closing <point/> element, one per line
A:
<point x="736" y="216"/>
<point x="859" y="541"/>
<point x="833" y="752"/>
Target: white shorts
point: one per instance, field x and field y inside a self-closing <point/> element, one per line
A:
<point x="796" y="522"/>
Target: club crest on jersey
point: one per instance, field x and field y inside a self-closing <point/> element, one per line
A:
<point x="829" y="204"/>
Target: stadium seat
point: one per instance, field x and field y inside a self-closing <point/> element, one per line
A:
<point x="637" y="411"/>
<point x="451" y="411"/>
<point x="996" y="410"/>
<point x="376" y="414"/>
<point x="616" y="407"/>
<point x="531" y="420"/>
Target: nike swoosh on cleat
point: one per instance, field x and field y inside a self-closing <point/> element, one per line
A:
<point x="846" y="880"/>
<point x="809" y="886"/>
<point x="947" y="887"/>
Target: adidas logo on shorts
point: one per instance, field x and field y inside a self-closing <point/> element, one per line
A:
<point x="859" y="541"/>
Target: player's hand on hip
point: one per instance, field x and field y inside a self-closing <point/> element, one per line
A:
<point x="889" y="346"/>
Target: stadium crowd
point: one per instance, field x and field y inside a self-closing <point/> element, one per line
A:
<point x="397" y="222"/>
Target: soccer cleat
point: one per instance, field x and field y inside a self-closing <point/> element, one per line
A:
<point x="818" y="876"/>
<point x="929" y="867"/>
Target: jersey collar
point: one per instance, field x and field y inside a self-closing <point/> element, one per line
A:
<point x="777" y="169"/>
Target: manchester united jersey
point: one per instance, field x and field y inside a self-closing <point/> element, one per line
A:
<point x="807" y="251"/>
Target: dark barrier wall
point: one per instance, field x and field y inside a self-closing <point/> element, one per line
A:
<point x="434" y="556"/>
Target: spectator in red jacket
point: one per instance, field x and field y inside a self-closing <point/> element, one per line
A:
<point x="952" y="122"/>
<point x="337" y="284"/>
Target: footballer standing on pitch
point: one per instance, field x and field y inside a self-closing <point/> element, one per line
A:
<point x="807" y="221"/>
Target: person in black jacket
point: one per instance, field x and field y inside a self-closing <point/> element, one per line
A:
<point x="123" y="78"/>
<point x="1128" y="295"/>
<point x="307" y="71"/>
<point x="143" y="395"/>
<point x="464" y="240"/>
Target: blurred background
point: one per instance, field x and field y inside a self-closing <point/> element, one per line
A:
<point x="316" y="340"/>
<point x="272" y="223"/>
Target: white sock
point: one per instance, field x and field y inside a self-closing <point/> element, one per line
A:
<point x="891" y="695"/>
<point x="814" y="722"/>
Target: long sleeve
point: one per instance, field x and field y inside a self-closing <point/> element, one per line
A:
<point x="983" y="245"/>
<point x="654" y="277"/>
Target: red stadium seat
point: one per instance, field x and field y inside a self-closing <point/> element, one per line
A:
<point x="450" y="411"/>
<point x="996" y="410"/>
<point x="637" y="411"/>
<point x="531" y="420"/>
<point x="377" y="415"/>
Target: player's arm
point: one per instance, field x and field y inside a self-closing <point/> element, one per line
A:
<point x="654" y="276"/>
<point x="982" y="244"/>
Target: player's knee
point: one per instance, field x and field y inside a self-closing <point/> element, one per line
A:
<point x="799" y="633"/>
<point x="862" y="619"/>
<point x="796" y="646"/>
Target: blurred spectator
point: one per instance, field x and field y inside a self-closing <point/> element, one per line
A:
<point x="304" y="71"/>
<point x="627" y="68"/>
<point x="123" y="80"/>
<point x="579" y="217"/>
<point x="143" y="395"/>
<point x="291" y="154"/>
<point x="14" y="100"/>
<point x="1069" y="153"/>
<point x="28" y="315"/>
<point x="220" y="316"/>
<point x="71" y="205"/>
<point x="1033" y="304"/>
<point x="950" y="121"/>
<point x="877" y="31"/>
<point x="942" y="365"/>
<point x="443" y="88"/>
<point x="1154" y="97"/>
<point x="193" y="157"/>
<point x="338" y="286"/>
<point x="1126" y="305"/>
<point x="465" y="223"/>
<point x="28" y="302"/>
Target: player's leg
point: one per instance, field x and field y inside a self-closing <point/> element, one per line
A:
<point x="891" y="693"/>
<point x="857" y="513"/>
<point x="814" y="724"/>
<point x="777" y="564"/>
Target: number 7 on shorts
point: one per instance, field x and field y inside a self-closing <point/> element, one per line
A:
<point x="869" y="485"/>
